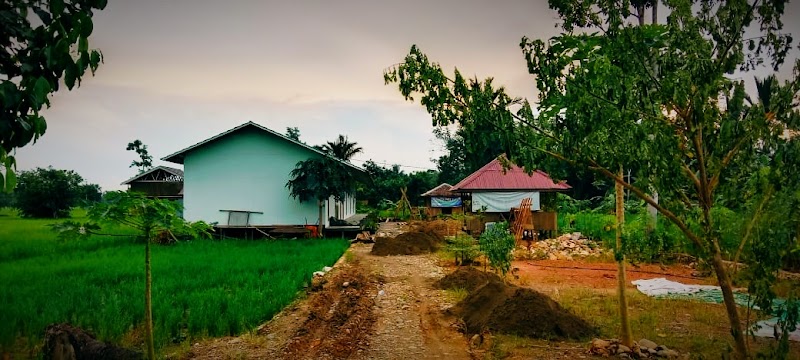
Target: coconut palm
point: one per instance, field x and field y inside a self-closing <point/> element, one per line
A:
<point x="342" y="148"/>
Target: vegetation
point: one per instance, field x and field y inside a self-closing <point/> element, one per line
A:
<point x="497" y="243"/>
<point x="664" y="91"/>
<point x="45" y="45"/>
<point x="293" y="133"/>
<point x="152" y="219"/>
<point x="384" y="185"/>
<point x="51" y="193"/>
<point x="319" y="179"/>
<point x="464" y="249"/>
<point x="145" y="161"/>
<point x="341" y="148"/>
<point x="101" y="282"/>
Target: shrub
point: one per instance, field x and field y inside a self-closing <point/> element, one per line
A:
<point x="497" y="243"/>
<point x="465" y="248"/>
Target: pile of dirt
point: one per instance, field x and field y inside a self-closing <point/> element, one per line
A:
<point x="467" y="278"/>
<point x="439" y="228"/>
<point x="410" y="243"/>
<point x="514" y="310"/>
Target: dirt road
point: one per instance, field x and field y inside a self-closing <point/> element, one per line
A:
<point x="368" y="307"/>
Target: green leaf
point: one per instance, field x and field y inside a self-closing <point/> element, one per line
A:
<point x="41" y="89"/>
<point x="11" y="179"/>
<point x="86" y="26"/>
<point x="56" y="7"/>
<point x="83" y="44"/>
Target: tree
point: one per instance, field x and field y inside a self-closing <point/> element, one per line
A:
<point x="152" y="218"/>
<point x="33" y="63"/>
<point x="145" y="159"/>
<point x="88" y="194"/>
<point x="293" y="133"/>
<point x="48" y="193"/>
<point x="320" y="179"/>
<point x="341" y="148"/>
<point x="601" y="105"/>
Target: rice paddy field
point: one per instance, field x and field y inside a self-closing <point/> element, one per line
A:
<point x="200" y="288"/>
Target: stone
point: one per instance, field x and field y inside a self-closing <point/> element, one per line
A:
<point x="669" y="354"/>
<point x="346" y="284"/>
<point x="623" y="349"/>
<point x="644" y="343"/>
<point x="327" y="268"/>
<point x="235" y="341"/>
<point x="319" y="273"/>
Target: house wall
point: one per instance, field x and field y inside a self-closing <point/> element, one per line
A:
<point x="503" y="201"/>
<point x="246" y="170"/>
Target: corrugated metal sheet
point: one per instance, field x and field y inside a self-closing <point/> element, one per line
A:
<point x="443" y="190"/>
<point x="492" y="177"/>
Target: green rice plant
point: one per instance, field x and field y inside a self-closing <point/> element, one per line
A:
<point x="200" y="287"/>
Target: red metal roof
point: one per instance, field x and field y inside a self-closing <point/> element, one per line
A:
<point x="492" y="177"/>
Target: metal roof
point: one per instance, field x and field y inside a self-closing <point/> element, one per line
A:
<point x="492" y="176"/>
<point x="173" y="171"/>
<point x="178" y="156"/>
<point x="442" y="190"/>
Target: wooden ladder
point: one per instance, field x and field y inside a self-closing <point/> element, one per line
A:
<point x="522" y="217"/>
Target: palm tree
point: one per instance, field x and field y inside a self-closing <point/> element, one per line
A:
<point x="341" y="148"/>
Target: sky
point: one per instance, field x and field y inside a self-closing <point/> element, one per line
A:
<point x="177" y="72"/>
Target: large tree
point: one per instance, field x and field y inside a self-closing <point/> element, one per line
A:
<point x="659" y="99"/>
<point x="49" y="192"/>
<point x="45" y="45"/>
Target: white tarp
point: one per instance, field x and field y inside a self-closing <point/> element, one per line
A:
<point x="503" y="201"/>
<point x="662" y="286"/>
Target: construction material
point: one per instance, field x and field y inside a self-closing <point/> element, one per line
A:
<point x="565" y="247"/>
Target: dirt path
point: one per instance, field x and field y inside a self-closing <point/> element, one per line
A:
<point x="409" y="316"/>
<point x="370" y="307"/>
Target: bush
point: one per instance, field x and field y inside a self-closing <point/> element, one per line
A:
<point x="497" y="243"/>
<point x="465" y="248"/>
<point x="48" y="193"/>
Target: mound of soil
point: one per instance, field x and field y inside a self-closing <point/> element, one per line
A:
<point x="518" y="311"/>
<point x="467" y="278"/>
<point x="410" y="243"/>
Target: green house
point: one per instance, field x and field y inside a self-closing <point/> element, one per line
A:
<point x="238" y="178"/>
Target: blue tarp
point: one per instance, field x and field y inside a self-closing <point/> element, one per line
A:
<point x="445" y="202"/>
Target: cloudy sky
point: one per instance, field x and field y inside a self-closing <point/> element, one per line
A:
<point x="179" y="71"/>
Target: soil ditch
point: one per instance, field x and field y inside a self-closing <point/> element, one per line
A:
<point x="508" y="309"/>
<point x="410" y="243"/>
<point x="339" y="322"/>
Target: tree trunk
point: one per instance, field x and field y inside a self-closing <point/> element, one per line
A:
<point x="640" y="14"/>
<point x="148" y="308"/>
<point x="730" y="303"/>
<point x="321" y="219"/>
<point x="655" y="12"/>
<point x="621" y="282"/>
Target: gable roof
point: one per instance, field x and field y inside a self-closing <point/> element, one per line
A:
<point x="492" y="177"/>
<point x="178" y="156"/>
<point x="170" y="170"/>
<point x="443" y="190"/>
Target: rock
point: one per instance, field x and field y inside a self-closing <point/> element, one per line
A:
<point x="235" y="341"/>
<point x="644" y="343"/>
<point x="327" y="268"/>
<point x="381" y="293"/>
<point x="319" y="273"/>
<point x="624" y="356"/>
<point x="623" y="349"/>
<point x="345" y="284"/>
<point x="668" y="354"/>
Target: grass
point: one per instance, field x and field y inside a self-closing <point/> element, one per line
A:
<point x="694" y="328"/>
<point x="200" y="288"/>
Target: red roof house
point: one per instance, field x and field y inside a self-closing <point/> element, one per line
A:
<point x="495" y="189"/>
